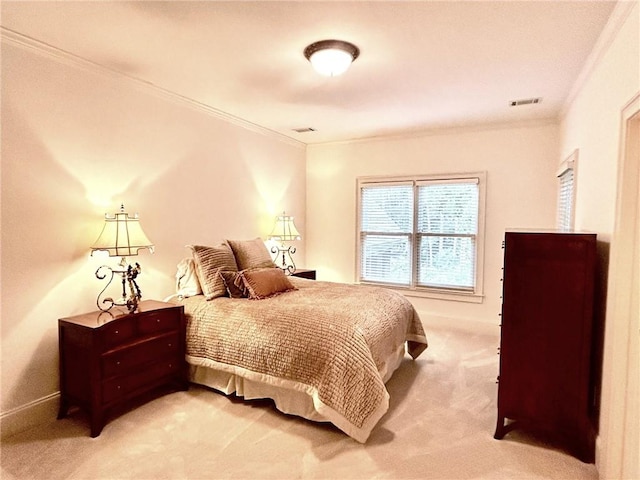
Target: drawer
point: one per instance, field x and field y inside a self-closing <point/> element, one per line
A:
<point x="124" y="360"/>
<point x="117" y="388"/>
<point x="117" y="333"/>
<point x="159" y="321"/>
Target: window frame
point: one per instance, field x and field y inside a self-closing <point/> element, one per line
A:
<point x="569" y="164"/>
<point x="475" y="295"/>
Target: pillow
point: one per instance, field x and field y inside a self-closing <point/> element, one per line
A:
<point x="209" y="262"/>
<point x="262" y="283"/>
<point x="233" y="284"/>
<point x="187" y="283"/>
<point x="251" y="254"/>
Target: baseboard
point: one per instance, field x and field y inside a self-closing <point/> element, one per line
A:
<point x="472" y="326"/>
<point x="30" y="415"/>
<point x="599" y="459"/>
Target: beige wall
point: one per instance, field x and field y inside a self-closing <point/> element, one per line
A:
<point x="592" y="124"/>
<point x="521" y="192"/>
<point x="76" y="141"/>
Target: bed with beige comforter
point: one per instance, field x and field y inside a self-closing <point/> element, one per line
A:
<point x="323" y="351"/>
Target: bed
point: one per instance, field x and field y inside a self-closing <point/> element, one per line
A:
<point x="320" y="350"/>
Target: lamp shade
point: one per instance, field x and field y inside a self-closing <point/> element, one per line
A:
<point x="284" y="229"/>
<point x="122" y="235"/>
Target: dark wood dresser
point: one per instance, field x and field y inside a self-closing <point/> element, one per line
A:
<point x="304" y="273"/>
<point x="109" y="358"/>
<point x="546" y="381"/>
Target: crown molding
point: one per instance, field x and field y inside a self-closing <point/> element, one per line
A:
<point x="446" y="130"/>
<point x="67" y="58"/>
<point x="618" y="17"/>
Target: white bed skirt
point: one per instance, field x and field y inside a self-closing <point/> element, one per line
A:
<point x="288" y="400"/>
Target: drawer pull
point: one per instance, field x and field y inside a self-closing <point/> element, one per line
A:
<point x="116" y="332"/>
<point x="118" y="387"/>
<point x="157" y="320"/>
<point x="169" y="345"/>
<point x="118" y="363"/>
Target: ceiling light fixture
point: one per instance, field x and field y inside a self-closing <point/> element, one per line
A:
<point x="331" y="57"/>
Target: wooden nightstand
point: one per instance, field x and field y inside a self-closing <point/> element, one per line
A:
<point x="108" y="358"/>
<point x="302" y="273"/>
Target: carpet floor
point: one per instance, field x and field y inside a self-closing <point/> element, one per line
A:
<point x="439" y="426"/>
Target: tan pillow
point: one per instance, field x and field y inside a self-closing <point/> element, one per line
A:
<point x="251" y="254"/>
<point x="265" y="282"/>
<point x="209" y="262"/>
<point x="234" y="285"/>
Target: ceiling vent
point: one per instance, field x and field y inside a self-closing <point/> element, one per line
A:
<point x="526" y="101"/>
<point x="304" y="130"/>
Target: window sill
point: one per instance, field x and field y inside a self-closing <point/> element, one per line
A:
<point x="439" y="294"/>
<point x="450" y="296"/>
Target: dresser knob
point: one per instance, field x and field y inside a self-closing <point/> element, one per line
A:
<point x="157" y="320"/>
<point x="118" y="363"/>
<point x="118" y="387"/>
<point x="116" y="332"/>
<point x="169" y="345"/>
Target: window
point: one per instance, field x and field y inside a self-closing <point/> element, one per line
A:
<point x="422" y="233"/>
<point x="567" y="193"/>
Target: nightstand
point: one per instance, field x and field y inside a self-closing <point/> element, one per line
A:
<point x="303" y="273"/>
<point x="109" y="358"/>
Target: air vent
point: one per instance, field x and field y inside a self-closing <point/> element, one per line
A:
<point x="304" y="130"/>
<point x="526" y="101"/>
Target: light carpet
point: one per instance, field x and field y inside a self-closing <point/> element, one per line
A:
<point x="439" y="426"/>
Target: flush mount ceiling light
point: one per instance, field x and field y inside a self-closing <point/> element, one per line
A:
<point x="331" y="57"/>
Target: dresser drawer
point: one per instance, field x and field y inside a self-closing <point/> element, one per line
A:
<point x="117" y="388"/>
<point x="117" y="333"/>
<point x="123" y="360"/>
<point x="158" y="321"/>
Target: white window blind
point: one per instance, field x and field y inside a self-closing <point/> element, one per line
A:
<point x="566" y="193"/>
<point x="447" y="230"/>
<point x="386" y="233"/>
<point x="421" y="233"/>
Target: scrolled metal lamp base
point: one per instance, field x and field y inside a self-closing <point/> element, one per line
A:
<point x="288" y="267"/>
<point x="129" y="275"/>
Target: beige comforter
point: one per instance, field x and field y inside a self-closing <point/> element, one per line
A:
<point x="329" y="340"/>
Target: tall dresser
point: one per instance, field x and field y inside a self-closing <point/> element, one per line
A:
<point x="546" y="381"/>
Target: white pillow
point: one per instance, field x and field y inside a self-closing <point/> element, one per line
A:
<point x="187" y="283"/>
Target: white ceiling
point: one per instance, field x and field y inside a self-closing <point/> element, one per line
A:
<point x="423" y="64"/>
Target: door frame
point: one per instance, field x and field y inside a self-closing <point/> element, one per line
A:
<point x="623" y="307"/>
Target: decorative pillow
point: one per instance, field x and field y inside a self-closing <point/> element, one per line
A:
<point x="209" y="262"/>
<point x="233" y="284"/>
<point x="251" y="254"/>
<point x="265" y="282"/>
<point x="187" y="283"/>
